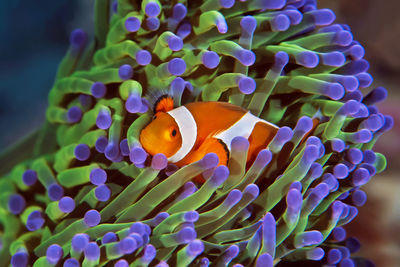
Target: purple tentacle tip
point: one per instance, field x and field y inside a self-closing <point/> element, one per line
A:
<point x="246" y="57"/>
<point x="121" y="263"/>
<point x="128" y="245"/>
<point x="20" y="259"/>
<point x="315" y="254"/>
<point x="176" y="66"/>
<point x="98" y="176"/>
<point x="55" y="192"/>
<point x="92" y="251"/>
<point x="125" y="72"/>
<point x="246" y="85"/>
<point x="137" y="155"/>
<point x="16" y="204"/>
<point x="152" y="9"/>
<point x="92" y="218"/>
<point x="175" y="43"/>
<point x="210" y="59"/>
<point x="98" y="90"/>
<point x="101" y="144"/>
<point x="82" y="152"/>
<point x="195" y="248"/>
<point x="143" y="57"/>
<point x="74" y="114"/>
<point x="219" y="176"/>
<point x="280" y="22"/>
<point x="132" y="24"/>
<point x="209" y="161"/>
<point x="159" y="161"/>
<point x="71" y="262"/>
<point x="79" y="242"/>
<point x="102" y="192"/>
<point x="307" y="59"/>
<point x="265" y="260"/>
<point x="35" y="221"/>
<point x="109" y="237"/>
<point x="240" y="143"/>
<point x="134" y="103"/>
<point x="29" y="177"/>
<point x="54" y="253"/>
<point x="186" y="235"/>
<point x="66" y="204"/>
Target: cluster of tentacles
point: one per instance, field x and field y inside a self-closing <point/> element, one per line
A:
<point x="97" y="199"/>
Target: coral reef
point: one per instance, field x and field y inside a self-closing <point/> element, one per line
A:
<point x="95" y="198"/>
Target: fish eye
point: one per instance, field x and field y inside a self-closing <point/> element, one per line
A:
<point x="173" y="133"/>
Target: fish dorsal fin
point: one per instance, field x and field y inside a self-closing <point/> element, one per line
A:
<point x="164" y="103"/>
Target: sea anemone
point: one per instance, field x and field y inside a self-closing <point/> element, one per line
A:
<point x="96" y="198"/>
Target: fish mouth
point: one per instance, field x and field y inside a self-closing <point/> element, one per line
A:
<point x="146" y="142"/>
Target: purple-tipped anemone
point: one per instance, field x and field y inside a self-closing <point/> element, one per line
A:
<point x="246" y="57"/>
<point x="246" y="85"/>
<point x="71" y="263"/>
<point x="240" y="143"/>
<point x="265" y="260"/>
<point x="20" y="259"/>
<point x="360" y="176"/>
<point x="35" y="221"/>
<point x="152" y="9"/>
<point x="153" y="23"/>
<point x="16" y="204"/>
<point x="132" y="24"/>
<point x="195" y="248"/>
<point x="233" y="198"/>
<point x="210" y="59"/>
<point x="112" y="151"/>
<point x="98" y="90"/>
<point x="102" y="193"/>
<point x="92" y="251"/>
<point x="92" y="218"/>
<point x="159" y="161"/>
<point x="335" y="59"/>
<point x="340" y="171"/>
<point x="66" y="204"/>
<point x="248" y="24"/>
<point x="77" y="38"/>
<point x="74" y="114"/>
<point x="125" y="72"/>
<point x="82" y="152"/>
<point x="209" y="161"/>
<point x="79" y="242"/>
<point x="186" y="235"/>
<point x="29" y="177"/>
<point x="176" y="66"/>
<point x="121" y="263"/>
<point x="280" y="23"/>
<point x="143" y="57"/>
<point x="307" y="59"/>
<point x="98" y="176"/>
<point x="219" y="176"/>
<point x="109" y="237"/>
<point x="134" y="103"/>
<point x="127" y="245"/>
<point x="55" y="192"/>
<point x="175" y="43"/>
<point x="101" y="144"/>
<point x="54" y="253"/>
<point x="137" y="155"/>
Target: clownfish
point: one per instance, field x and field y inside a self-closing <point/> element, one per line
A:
<point x="186" y="133"/>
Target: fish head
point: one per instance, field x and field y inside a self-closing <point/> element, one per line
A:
<point x="161" y="135"/>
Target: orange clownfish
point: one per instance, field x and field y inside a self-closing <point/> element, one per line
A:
<point x="187" y="133"/>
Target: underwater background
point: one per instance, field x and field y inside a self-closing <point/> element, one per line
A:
<point x="34" y="38"/>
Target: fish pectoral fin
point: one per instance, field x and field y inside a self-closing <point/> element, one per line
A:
<point x="213" y="145"/>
